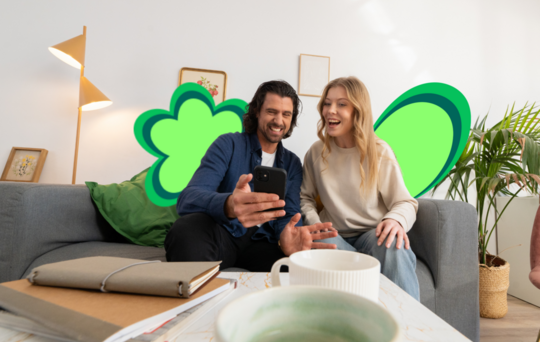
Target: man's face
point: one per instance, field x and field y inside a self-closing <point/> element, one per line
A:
<point x="274" y="118"/>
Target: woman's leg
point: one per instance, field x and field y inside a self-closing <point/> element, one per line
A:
<point x="340" y="243"/>
<point x="398" y="265"/>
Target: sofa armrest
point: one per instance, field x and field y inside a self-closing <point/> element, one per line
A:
<point x="445" y="238"/>
<point x="38" y="218"/>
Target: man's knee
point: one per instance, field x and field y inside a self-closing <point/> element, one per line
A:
<point x="188" y="232"/>
<point x="192" y="224"/>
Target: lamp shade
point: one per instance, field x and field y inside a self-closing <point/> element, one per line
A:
<point x="90" y="97"/>
<point x="71" y="51"/>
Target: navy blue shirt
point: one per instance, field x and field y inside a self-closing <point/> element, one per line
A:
<point x="230" y="156"/>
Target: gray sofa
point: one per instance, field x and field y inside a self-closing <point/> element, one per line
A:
<point x="42" y="223"/>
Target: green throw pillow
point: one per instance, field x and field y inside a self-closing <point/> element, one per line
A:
<point x="129" y="210"/>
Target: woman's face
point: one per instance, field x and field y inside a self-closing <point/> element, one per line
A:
<point x="338" y="113"/>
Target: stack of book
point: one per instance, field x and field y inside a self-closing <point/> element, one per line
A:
<point x="112" y="299"/>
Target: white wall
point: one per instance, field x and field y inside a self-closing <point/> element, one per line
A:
<point x="514" y="245"/>
<point x="487" y="48"/>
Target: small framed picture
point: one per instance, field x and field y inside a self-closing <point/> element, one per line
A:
<point x="313" y="75"/>
<point x="24" y="164"/>
<point x="214" y="81"/>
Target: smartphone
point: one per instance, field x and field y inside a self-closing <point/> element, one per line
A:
<point x="272" y="180"/>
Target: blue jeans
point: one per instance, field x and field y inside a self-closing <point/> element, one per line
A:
<point x="398" y="265"/>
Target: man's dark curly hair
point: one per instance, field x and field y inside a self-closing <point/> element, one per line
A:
<point x="280" y="88"/>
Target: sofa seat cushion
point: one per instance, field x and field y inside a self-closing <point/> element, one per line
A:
<point x="98" y="248"/>
<point x="427" y="286"/>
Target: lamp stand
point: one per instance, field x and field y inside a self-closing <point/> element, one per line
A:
<point x="76" y="149"/>
<point x="74" y="177"/>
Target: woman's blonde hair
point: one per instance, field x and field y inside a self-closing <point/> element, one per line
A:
<point x="364" y="136"/>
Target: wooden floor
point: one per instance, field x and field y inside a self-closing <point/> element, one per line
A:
<point x="521" y="324"/>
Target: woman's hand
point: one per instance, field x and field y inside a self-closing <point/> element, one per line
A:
<point x="388" y="229"/>
<point x="294" y="239"/>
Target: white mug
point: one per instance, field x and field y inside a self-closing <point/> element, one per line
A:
<point x="347" y="271"/>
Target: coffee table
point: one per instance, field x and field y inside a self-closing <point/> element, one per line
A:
<point x="417" y="322"/>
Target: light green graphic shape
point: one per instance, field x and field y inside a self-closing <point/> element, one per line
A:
<point x="427" y="127"/>
<point x="426" y="151"/>
<point x="179" y="138"/>
<point x="195" y="134"/>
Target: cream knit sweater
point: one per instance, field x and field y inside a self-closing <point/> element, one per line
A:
<point x="339" y="189"/>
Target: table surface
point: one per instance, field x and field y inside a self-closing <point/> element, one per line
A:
<point x="417" y="322"/>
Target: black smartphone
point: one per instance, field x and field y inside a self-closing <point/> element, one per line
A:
<point x="272" y="180"/>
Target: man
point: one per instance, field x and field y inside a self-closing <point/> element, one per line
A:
<point x="221" y="218"/>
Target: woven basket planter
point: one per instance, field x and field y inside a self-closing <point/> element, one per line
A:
<point x="494" y="282"/>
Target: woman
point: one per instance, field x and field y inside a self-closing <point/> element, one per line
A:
<point x="360" y="184"/>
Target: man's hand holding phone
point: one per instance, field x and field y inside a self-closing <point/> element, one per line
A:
<point x="248" y="207"/>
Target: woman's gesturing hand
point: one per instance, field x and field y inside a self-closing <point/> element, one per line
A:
<point x="389" y="229"/>
<point x="294" y="239"/>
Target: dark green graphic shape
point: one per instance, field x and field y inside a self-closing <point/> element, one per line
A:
<point x="180" y="137"/>
<point x="427" y="127"/>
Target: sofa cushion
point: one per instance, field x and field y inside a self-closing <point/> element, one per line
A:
<point x="98" y="248"/>
<point x="38" y="218"/>
<point x="427" y="286"/>
<point x="131" y="213"/>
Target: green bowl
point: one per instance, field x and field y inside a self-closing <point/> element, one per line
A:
<point x="305" y="313"/>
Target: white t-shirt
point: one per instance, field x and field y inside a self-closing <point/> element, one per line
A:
<point x="267" y="160"/>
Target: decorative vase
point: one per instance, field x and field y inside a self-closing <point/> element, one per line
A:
<point x="494" y="283"/>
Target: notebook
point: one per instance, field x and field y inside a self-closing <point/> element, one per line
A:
<point x="112" y="274"/>
<point x="94" y="316"/>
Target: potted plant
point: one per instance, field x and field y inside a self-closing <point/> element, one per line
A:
<point x="494" y="159"/>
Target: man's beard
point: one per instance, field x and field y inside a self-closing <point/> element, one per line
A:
<point x="271" y="138"/>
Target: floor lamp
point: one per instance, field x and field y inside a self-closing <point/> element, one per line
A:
<point x="72" y="52"/>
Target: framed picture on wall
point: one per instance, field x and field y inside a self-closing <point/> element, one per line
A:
<point x="24" y="164"/>
<point x="214" y="81"/>
<point x="313" y="74"/>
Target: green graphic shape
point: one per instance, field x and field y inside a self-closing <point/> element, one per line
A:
<point x="427" y="127"/>
<point x="180" y="137"/>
